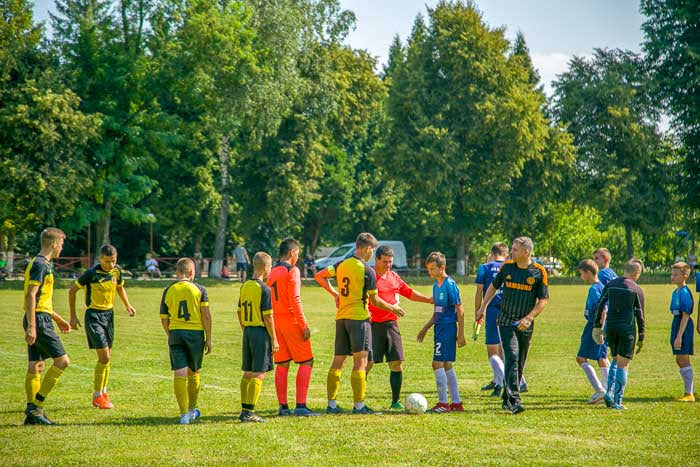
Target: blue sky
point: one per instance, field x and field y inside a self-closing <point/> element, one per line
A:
<point x="554" y="30"/>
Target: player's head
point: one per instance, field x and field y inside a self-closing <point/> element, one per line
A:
<point x="52" y="239"/>
<point x="383" y="259"/>
<point x="634" y="269"/>
<point x="602" y="257"/>
<point x="185" y="269"/>
<point x="587" y="270"/>
<point x="289" y="250"/>
<point x="499" y="250"/>
<point x="680" y="272"/>
<point x="108" y="257"/>
<point x="436" y="263"/>
<point x="365" y="243"/>
<point x="262" y="264"/>
<point x="522" y="248"/>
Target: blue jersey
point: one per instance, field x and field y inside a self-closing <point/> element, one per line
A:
<point x="697" y="281"/>
<point x="446" y="297"/>
<point x="594" y="294"/>
<point x="681" y="301"/>
<point x="485" y="275"/>
<point x="605" y="275"/>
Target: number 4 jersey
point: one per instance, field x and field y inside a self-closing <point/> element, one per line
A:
<point x="182" y="302"/>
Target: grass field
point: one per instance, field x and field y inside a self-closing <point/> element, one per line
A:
<point x="558" y="427"/>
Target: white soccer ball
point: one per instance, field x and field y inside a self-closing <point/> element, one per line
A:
<point x="416" y="403"/>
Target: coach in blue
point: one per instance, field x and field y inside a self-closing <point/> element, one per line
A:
<point x="525" y="294"/>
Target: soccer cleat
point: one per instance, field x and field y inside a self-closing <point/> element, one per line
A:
<point x="490" y="386"/>
<point x="334" y="410"/>
<point x="36" y="416"/>
<point x="506" y="406"/>
<point x="194" y="414"/>
<point x="686" y="398"/>
<point x="282" y="412"/>
<point x="304" y="412"/>
<point x="250" y="417"/>
<point x="185" y="419"/>
<point x="456" y="407"/>
<point x="441" y="407"/>
<point x="597" y="397"/>
<point x="496" y="391"/>
<point x="618" y="407"/>
<point x="102" y="402"/>
<point x="608" y="400"/>
<point x="29" y="420"/>
<point x="523" y="387"/>
<point x="364" y="411"/>
<point x="398" y="405"/>
<point x="517" y="408"/>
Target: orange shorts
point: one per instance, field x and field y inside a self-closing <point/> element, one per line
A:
<point x="292" y="343"/>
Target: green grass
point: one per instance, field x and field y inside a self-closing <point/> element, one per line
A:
<point x="558" y="427"/>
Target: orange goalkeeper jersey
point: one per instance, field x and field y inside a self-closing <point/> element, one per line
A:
<point x="285" y="282"/>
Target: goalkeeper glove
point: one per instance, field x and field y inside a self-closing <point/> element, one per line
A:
<point x="476" y="329"/>
<point x="598" y="336"/>
<point x="640" y="345"/>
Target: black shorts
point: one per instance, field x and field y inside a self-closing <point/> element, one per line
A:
<point x="386" y="341"/>
<point x="47" y="343"/>
<point x="186" y="349"/>
<point x="352" y="335"/>
<point x="99" y="328"/>
<point x="257" y="350"/>
<point x="621" y="341"/>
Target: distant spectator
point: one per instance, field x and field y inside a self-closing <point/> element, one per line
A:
<point x="3" y="267"/>
<point x="309" y="266"/>
<point x="242" y="260"/>
<point x="152" y="266"/>
<point x="225" y="272"/>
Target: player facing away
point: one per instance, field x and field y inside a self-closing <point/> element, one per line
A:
<point x="40" y="336"/>
<point x="448" y="319"/>
<point x="101" y="282"/>
<point x="588" y="349"/>
<point x="291" y="329"/>
<point x="682" y="327"/>
<point x="386" y="338"/>
<point x="186" y="319"/>
<point x="625" y="306"/>
<point x="357" y="284"/>
<point x="259" y="339"/>
<point x="484" y="276"/>
<point x="602" y="258"/>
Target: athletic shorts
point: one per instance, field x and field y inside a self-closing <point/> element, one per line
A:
<point x="621" y="341"/>
<point x="492" y="336"/>
<point x="241" y="266"/>
<point x="99" y="328"/>
<point x="588" y="348"/>
<point x="257" y="350"/>
<point x="292" y="344"/>
<point x="386" y="342"/>
<point x="445" y="339"/>
<point x="186" y="349"/>
<point x="352" y="335"/>
<point x="47" y="343"/>
<point x="687" y="340"/>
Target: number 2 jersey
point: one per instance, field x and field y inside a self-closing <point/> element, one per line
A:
<point x="182" y="302"/>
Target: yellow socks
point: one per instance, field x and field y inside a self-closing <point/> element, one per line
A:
<point x="100" y="377"/>
<point x="193" y="384"/>
<point x="31" y="384"/>
<point x="254" y="389"/>
<point x="106" y="380"/>
<point x="50" y="379"/>
<point x="180" y="384"/>
<point x="333" y="383"/>
<point x="244" y="394"/>
<point x="358" y="381"/>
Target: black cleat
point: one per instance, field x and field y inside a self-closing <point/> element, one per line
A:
<point x="523" y="387"/>
<point x="506" y="406"/>
<point x="36" y="416"/>
<point x="489" y="386"/>
<point x="517" y="408"/>
<point x="29" y="420"/>
<point x="251" y="417"/>
<point x="496" y="391"/>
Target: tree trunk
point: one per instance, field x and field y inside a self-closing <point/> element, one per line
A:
<point x="461" y="251"/>
<point x="220" y="243"/>
<point x="316" y="236"/>
<point x="10" y="258"/>
<point x="628" y="240"/>
<point x="103" y="226"/>
<point x="198" y="256"/>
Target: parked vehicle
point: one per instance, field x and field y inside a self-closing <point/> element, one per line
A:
<point x="348" y="249"/>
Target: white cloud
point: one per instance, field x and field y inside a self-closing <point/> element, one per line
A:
<point x="549" y="66"/>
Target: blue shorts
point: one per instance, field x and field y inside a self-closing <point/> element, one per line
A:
<point x="687" y="340"/>
<point x="492" y="335"/>
<point x="445" y="338"/>
<point x="588" y="348"/>
<point x="241" y="266"/>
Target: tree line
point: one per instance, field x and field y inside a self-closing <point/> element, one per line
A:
<point x="221" y="121"/>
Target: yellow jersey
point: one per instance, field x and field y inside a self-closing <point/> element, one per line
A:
<point x="100" y="286"/>
<point x="356" y="282"/>
<point x="182" y="302"/>
<point x="40" y="272"/>
<point x="254" y="303"/>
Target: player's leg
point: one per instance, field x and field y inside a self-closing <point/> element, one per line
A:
<point x="440" y="381"/>
<point x="588" y="349"/>
<point x="394" y="356"/>
<point x="100" y="379"/>
<point x="32" y="382"/>
<point x="282" y="359"/>
<point x="604" y="365"/>
<point x="449" y="354"/>
<point x="179" y="362"/>
<point x="683" y="360"/>
<point x="195" y="348"/>
<point x="494" y="352"/>
<point x="47" y="344"/>
<point x="620" y="380"/>
<point x="301" y="353"/>
<point x="261" y="363"/>
<point x="360" y="332"/>
<point x="342" y="350"/>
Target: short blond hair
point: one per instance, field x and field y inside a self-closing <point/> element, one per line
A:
<point x="50" y="235"/>
<point x="605" y="252"/>
<point x="683" y="267"/>
<point x="634" y="266"/>
<point x="525" y="242"/>
<point x="260" y="260"/>
<point x="184" y="266"/>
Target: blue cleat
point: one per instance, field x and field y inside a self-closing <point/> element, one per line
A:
<point x="282" y="412"/>
<point x="364" y="411"/>
<point x="194" y="414"/>
<point x="304" y="412"/>
<point x="608" y="400"/>
<point x="618" y="407"/>
<point x="334" y="410"/>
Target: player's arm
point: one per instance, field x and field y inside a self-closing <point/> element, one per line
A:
<point x="206" y="322"/>
<point x="419" y="297"/>
<point x="426" y="328"/>
<point x="239" y="312"/>
<point x="380" y="303"/>
<point x="678" y="341"/>
<point x="30" y="313"/>
<point x="639" y="317"/>
<point x="490" y="293"/>
<point x="600" y="310"/>
<point x="294" y="298"/>
<point x="165" y="322"/>
<point x="165" y="314"/>
<point x="323" y="278"/>
<point x="74" y="322"/>
<point x="270" y="326"/>
<point x="478" y="297"/>
<point x="61" y="322"/>
<point x="121" y="291"/>
<point x="461" y="340"/>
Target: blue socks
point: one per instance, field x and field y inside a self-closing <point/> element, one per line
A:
<point x="620" y="383"/>
<point x="611" y="376"/>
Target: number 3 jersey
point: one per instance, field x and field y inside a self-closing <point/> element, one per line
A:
<point x="356" y="280"/>
<point x="181" y="303"/>
<point x="254" y="303"/>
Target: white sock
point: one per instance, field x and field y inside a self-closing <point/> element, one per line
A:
<point x="522" y="379"/>
<point x="331" y="403"/>
<point x="604" y="377"/>
<point x="687" y="375"/>
<point x="592" y="376"/>
<point x="452" y="384"/>
<point x="498" y="369"/>
<point x="441" y="384"/>
<point x="358" y="405"/>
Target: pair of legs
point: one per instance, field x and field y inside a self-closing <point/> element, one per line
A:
<point x="446" y="379"/>
<point x="242" y="271"/>
<point x="251" y="386"/>
<point x="388" y="344"/>
<point x="516" y="344"/>
<point x="102" y="369"/>
<point x="187" y="384"/>
<point x="395" y="381"/>
<point x="686" y="370"/>
<point x="292" y="347"/>
<point x="599" y="385"/>
<point x="358" y="378"/>
<point x="302" y="386"/>
<point x="37" y="390"/>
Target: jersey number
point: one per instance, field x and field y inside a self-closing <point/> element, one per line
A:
<point x="437" y="348"/>
<point x="247" y="311"/>
<point x="182" y="311"/>
<point x="345" y="289"/>
<point x="274" y="287"/>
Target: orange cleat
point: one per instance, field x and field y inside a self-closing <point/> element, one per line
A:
<point x="102" y="402"/>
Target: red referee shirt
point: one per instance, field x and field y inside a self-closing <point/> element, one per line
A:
<point x="389" y="287"/>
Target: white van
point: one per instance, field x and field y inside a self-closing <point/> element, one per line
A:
<point x="348" y="249"/>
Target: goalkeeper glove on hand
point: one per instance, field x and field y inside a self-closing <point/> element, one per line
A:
<point x="598" y="336"/>
<point x="640" y="345"/>
<point x="476" y="329"/>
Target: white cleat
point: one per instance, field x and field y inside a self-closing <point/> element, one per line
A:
<point x="194" y="414"/>
<point x="185" y="419"/>
<point x="596" y="397"/>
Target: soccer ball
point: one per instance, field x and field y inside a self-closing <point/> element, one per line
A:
<point x="416" y="403"/>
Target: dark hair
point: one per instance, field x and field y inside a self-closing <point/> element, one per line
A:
<point x="499" y="249"/>
<point x="287" y="245"/>
<point x="437" y="258"/>
<point x="365" y="239"/>
<point x="107" y="250"/>
<point x="588" y="265"/>
<point x="384" y="250"/>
